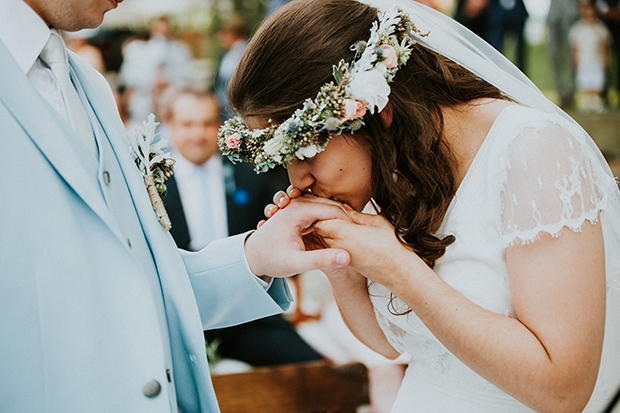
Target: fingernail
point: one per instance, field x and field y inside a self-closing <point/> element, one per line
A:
<point x="341" y="258"/>
<point x="280" y="200"/>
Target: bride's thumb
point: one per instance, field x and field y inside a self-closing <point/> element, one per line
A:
<point x="324" y="259"/>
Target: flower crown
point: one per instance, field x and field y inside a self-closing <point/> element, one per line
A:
<point x="338" y="107"/>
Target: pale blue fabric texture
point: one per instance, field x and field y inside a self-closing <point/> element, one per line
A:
<point x="95" y="298"/>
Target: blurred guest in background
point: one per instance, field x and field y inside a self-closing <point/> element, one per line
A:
<point x="562" y="15"/>
<point x="507" y="16"/>
<point x="150" y="66"/>
<point x="440" y="5"/>
<point x="472" y="14"/>
<point x="233" y="38"/>
<point x="609" y="12"/>
<point x="78" y="43"/>
<point x="590" y="41"/>
<point x="210" y="198"/>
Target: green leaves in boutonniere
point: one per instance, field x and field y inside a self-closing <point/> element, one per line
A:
<point x="155" y="165"/>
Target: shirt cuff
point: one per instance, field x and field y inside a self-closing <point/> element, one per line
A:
<point x="265" y="281"/>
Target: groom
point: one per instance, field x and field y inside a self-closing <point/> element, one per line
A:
<point x="99" y="311"/>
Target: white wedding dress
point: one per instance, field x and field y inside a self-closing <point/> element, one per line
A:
<point x="533" y="173"/>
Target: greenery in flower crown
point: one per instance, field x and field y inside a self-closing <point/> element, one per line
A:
<point x="338" y="107"/>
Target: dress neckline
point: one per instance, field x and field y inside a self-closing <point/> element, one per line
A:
<point x="482" y="147"/>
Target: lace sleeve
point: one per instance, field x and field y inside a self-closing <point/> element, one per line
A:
<point x="552" y="181"/>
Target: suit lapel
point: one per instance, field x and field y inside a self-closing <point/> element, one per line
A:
<point x="56" y="140"/>
<point x="102" y="101"/>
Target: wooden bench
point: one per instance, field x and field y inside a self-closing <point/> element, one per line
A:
<point x="313" y="387"/>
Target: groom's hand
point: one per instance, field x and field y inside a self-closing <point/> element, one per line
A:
<point x="277" y="249"/>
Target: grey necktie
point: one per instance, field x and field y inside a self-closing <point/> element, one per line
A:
<point x="53" y="55"/>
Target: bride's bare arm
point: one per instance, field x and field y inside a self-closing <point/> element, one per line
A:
<point x="351" y="295"/>
<point x="548" y="356"/>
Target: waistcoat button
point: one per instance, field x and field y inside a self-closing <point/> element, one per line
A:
<point x="151" y="388"/>
<point x="106" y="177"/>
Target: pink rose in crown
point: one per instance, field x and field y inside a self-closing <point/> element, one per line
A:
<point x="353" y="109"/>
<point x="389" y="54"/>
<point x="233" y="141"/>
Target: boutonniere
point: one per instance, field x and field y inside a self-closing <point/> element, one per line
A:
<point x="155" y="165"/>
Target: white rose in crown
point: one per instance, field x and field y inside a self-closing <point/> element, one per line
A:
<point x="370" y="87"/>
<point x="307" y="152"/>
<point x="275" y="146"/>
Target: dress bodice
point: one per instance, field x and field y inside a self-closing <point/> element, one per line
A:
<point x="532" y="173"/>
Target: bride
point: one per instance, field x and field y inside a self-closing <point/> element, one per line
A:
<point x="492" y="258"/>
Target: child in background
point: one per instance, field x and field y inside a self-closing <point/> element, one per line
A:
<point x="590" y="43"/>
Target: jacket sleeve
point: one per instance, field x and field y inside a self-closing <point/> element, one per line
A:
<point x="227" y="292"/>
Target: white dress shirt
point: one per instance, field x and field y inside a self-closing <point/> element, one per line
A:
<point x="25" y="35"/>
<point x="193" y="191"/>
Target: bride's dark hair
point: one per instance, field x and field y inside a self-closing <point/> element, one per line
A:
<point x="291" y="56"/>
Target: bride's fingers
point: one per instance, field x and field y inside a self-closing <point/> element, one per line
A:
<point x="260" y="223"/>
<point x="281" y="199"/>
<point x="329" y="230"/>
<point x="293" y="192"/>
<point x="361" y="218"/>
<point x="317" y="199"/>
<point x="308" y="230"/>
<point x="270" y="210"/>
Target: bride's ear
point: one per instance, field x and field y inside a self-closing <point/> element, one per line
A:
<point x="387" y="115"/>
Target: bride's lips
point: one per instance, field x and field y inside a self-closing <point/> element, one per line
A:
<point x="115" y="3"/>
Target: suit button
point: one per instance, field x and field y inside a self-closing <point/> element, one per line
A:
<point x="151" y="388"/>
<point x="106" y="177"/>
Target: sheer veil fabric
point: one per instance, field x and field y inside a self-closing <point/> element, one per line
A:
<point x="452" y="40"/>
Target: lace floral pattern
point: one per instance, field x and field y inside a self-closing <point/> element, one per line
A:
<point x="551" y="181"/>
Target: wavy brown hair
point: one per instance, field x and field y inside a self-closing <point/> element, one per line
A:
<point x="291" y="57"/>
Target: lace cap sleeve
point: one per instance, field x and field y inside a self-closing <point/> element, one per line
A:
<point x="551" y="180"/>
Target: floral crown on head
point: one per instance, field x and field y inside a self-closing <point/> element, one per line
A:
<point x="339" y="106"/>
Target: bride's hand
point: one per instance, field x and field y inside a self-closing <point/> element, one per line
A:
<point x="375" y="250"/>
<point x="280" y="200"/>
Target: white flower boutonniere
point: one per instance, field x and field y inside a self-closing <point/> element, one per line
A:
<point x="155" y="165"/>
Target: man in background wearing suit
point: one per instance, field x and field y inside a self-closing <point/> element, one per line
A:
<point x="210" y="198"/>
<point x="99" y="310"/>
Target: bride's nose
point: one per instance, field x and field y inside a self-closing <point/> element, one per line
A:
<point x="300" y="176"/>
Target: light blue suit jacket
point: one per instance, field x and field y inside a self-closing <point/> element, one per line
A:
<point x="85" y="319"/>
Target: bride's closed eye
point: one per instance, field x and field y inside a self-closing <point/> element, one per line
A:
<point x="298" y="161"/>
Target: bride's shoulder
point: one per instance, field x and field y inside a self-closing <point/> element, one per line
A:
<point x="516" y="124"/>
